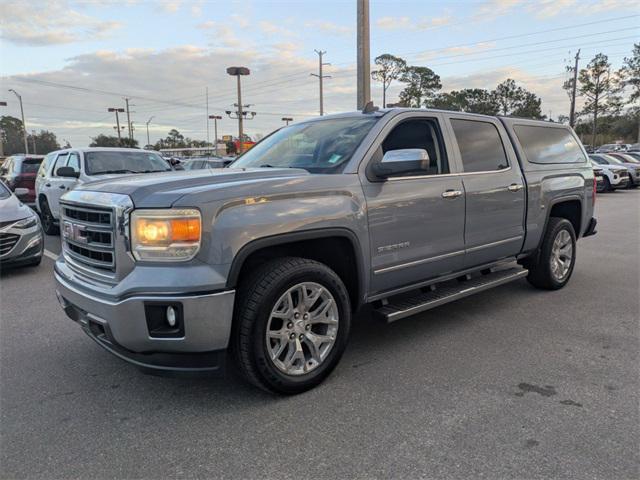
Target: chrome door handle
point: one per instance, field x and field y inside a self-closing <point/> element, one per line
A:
<point x="452" y="194"/>
<point x="515" y="187"/>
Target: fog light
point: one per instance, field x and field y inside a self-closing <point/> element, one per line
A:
<point x="171" y="316"/>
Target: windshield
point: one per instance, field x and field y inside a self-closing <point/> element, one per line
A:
<point x="31" y="165"/>
<point x="124" y="162"/>
<point x="612" y="159"/>
<point x="318" y="147"/>
<point x="627" y="158"/>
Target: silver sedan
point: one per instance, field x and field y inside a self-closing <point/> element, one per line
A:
<point x="21" y="238"/>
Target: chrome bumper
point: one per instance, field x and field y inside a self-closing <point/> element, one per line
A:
<point x="121" y="327"/>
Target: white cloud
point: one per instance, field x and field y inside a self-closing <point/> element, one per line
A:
<point x="271" y="28"/>
<point x="407" y="23"/>
<point x="329" y="27"/>
<point x="542" y="9"/>
<point x="50" y="23"/>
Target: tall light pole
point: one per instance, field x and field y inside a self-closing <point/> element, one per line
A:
<point x="215" y="119"/>
<point x="320" y="78"/>
<point x="286" y="120"/>
<point x="238" y="72"/>
<point x="116" y="110"/>
<point x="2" y="104"/>
<point x="364" y="65"/>
<point x="148" y="122"/>
<point x="24" y="125"/>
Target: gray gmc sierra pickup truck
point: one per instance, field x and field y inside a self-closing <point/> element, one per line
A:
<point x="403" y="209"/>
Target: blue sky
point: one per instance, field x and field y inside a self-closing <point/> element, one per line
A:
<point x="72" y="60"/>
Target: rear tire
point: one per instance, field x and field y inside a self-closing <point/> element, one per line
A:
<point x="557" y="256"/>
<point x="274" y="350"/>
<point x="48" y="222"/>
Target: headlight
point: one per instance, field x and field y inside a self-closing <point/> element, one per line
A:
<point x="26" y="222"/>
<point x="165" y="235"/>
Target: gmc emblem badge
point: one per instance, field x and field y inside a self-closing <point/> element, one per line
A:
<point x="74" y="232"/>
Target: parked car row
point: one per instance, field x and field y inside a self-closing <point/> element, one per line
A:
<point x="616" y="170"/>
<point x="614" y="147"/>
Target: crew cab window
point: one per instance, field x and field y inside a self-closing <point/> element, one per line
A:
<point x="549" y="144"/>
<point x="419" y="133"/>
<point x="480" y="146"/>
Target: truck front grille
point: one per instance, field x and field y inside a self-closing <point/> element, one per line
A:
<point x="7" y="242"/>
<point x="88" y="233"/>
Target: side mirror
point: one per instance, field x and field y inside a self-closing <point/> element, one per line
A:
<point x="67" y="172"/>
<point x="402" y="162"/>
<point x="21" y="192"/>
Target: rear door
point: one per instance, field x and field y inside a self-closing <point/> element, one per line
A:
<point x="494" y="189"/>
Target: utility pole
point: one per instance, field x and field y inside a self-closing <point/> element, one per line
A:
<point x="572" y="112"/>
<point x="238" y="72"/>
<point x="320" y="77"/>
<point x="286" y="120"/>
<point x="126" y="100"/>
<point x="121" y="110"/>
<point x="24" y="125"/>
<point x="364" y="60"/>
<point x="215" y="119"/>
<point x="148" y="122"/>
<point x="2" y="104"/>
<point x="206" y="92"/>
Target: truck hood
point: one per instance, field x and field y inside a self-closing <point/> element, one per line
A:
<point x="165" y="188"/>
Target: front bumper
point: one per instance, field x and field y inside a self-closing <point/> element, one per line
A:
<point x="623" y="181"/>
<point x="121" y="327"/>
<point x="28" y="248"/>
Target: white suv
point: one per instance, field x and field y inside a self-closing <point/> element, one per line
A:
<point x="63" y="170"/>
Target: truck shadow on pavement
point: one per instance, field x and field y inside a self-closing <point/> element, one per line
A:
<point x="371" y="342"/>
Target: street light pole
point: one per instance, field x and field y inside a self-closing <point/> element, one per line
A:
<point x="237" y="72"/>
<point x="24" y="125"/>
<point x="215" y="119"/>
<point x="148" y="122"/>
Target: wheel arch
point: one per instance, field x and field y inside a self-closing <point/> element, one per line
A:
<point x="570" y="208"/>
<point x="338" y="248"/>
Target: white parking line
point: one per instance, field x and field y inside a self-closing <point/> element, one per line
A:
<point x="51" y="255"/>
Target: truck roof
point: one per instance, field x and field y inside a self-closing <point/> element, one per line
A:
<point x="397" y="110"/>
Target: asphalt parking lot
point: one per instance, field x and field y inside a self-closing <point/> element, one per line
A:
<point x="510" y="383"/>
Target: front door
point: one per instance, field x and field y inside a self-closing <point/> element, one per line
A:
<point x="416" y="219"/>
<point x="494" y="189"/>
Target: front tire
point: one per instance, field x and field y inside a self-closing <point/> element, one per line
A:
<point x="607" y="185"/>
<point x="48" y="222"/>
<point x="291" y="325"/>
<point x="557" y="256"/>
